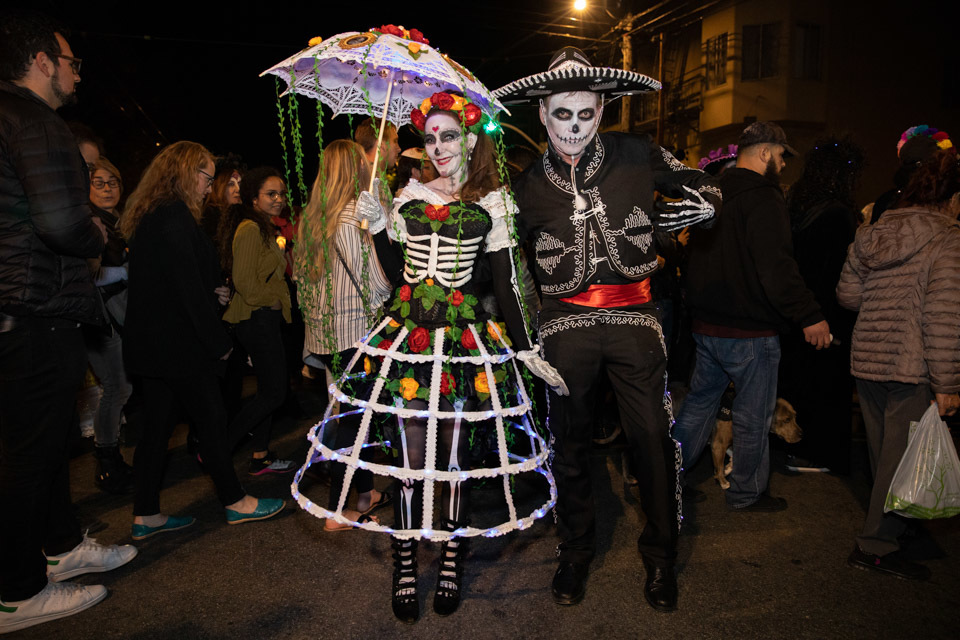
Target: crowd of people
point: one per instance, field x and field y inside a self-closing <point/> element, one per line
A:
<point x="204" y="272"/>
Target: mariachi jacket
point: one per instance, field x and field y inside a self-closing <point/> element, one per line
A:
<point x="610" y="241"/>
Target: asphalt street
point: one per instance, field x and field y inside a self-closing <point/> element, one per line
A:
<point x="741" y="575"/>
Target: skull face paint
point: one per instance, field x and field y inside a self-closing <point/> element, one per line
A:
<point x="444" y="146"/>
<point x="571" y="119"/>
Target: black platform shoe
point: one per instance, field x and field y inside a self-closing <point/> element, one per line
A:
<point x="406" y="604"/>
<point x="113" y="474"/>
<point x="452" y="552"/>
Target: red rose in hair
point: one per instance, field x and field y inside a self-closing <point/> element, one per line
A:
<point x="418" y="340"/>
<point x="418" y="120"/>
<point x="467" y="340"/>
<point x="448" y="383"/>
<point x="405" y="292"/>
<point x="455" y="298"/>
<point x="417" y="36"/>
<point x="391" y="29"/>
<point x="471" y="114"/>
<point x="442" y="213"/>
<point x="442" y="101"/>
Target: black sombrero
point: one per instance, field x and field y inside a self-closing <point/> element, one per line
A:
<point x="571" y="70"/>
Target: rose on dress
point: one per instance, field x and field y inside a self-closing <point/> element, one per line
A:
<point x="448" y="383"/>
<point x="467" y="340"/>
<point x="408" y="388"/>
<point x="442" y="213"/>
<point x="418" y="340"/>
<point x="385" y="345"/>
<point x="481" y="383"/>
<point x="455" y="298"/>
<point x="431" y="212"/>
<point x="405" y="292"/>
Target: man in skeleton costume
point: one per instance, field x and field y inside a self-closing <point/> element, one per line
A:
<point x="588" y="210"/>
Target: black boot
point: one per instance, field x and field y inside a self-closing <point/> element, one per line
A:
<point x="452" y="553"/>
<point x="406" y="604"/>
<point x="113" y="474"/>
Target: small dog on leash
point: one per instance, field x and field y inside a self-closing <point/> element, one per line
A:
<point x="784" y="425"/>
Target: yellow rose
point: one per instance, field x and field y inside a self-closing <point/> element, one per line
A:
<point x="393" y="323"/>
<point x="367" y="365"/>
<point x="315" y="41"/>
<point x="481" y="383"/>
<point x="414" y="47"/>
<point x="457" y="103"/>
<point x="493" y="332"/>
<point x="408" y="388"/>
<point x="429" y="282"/>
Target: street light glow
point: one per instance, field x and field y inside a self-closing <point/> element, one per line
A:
<point x="580" y="5"/>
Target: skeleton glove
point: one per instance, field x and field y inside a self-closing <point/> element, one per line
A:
<point x="691" y="210"/>
<point x="543" y="369"/>
<point x="370" y="209"/>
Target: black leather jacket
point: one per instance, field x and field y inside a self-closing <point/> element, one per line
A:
<point x="46" y="230"/>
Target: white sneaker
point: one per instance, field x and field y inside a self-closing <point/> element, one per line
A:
<point x="88" y="557"/>
<point x="55" y="601"/>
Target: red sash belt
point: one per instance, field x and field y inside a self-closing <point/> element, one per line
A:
<point x="613" y="295"/>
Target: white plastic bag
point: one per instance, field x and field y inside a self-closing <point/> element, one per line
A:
<point x="927" y="481"/>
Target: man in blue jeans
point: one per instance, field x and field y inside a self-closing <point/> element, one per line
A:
<point x="743" y="289"/>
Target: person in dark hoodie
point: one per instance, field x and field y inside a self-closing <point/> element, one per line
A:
<point x="743" y="289"/>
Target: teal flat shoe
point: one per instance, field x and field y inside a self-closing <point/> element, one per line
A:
<point x="173" y="523"/>
<point x="266" y="508"/>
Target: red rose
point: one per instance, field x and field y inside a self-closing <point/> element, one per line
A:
<point x="417" y="36"/>
<point x="455" y="298"/>
<point x="391" y="29"/>
<point x="417" y="119"/>
<point x="418" y="340"/>
<point x="430" y="212"/>
<point x="442" y="101"/>
<point x="442" y="213"/>
<point x="405" y="292"/>
<point x="447" y="383"/>
<point x="385" y="345"/>
<point x="471" y="114"/>
<point x="466" y="339"/>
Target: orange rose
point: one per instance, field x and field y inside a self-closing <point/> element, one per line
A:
<point x="367" y="365"/>
<point x="481" y="383"/>
<point x="492" y="330"/>
<point x="408" y="388"/>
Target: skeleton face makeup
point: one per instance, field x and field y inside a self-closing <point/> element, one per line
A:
<point x="445" y="148"/>
<point x="572" y="119"/>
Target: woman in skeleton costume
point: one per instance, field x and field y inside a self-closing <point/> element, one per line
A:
<point x="439" y="364"/>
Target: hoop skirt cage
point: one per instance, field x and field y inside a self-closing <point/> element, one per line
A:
<point x="427" y="361"/>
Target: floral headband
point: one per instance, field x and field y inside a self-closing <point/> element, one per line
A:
<point x="941" y="137"/>
<point x="723" y="153"/>
<point x="465" y="111"/>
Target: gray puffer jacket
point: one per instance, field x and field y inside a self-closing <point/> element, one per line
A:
<point x="903" y="275"/>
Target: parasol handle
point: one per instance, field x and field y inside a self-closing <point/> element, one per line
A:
<point x="376" y="155"/>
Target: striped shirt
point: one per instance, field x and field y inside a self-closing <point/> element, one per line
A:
<point x="349" y="318"/>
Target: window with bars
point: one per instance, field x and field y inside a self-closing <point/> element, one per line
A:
<point x="761" y="51"/>
<point x="716" y="61"/>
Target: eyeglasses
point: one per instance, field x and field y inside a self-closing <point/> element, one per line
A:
<point x="100" y="183"/>
<point x="74" y="62"/>
<point x="275" y="195"/>
<point x="209" y="177"/>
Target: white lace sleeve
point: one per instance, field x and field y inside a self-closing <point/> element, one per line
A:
<point x="495" y="203"/>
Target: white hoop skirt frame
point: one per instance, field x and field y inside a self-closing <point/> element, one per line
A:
<point x="516" y="416"/>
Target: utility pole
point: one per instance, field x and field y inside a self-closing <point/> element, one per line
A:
<point x="626" y="48"/>
<point x="661" y="96"/>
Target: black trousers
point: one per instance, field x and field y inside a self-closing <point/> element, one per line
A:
<point x="261" y="336"/>
<point x="41" y="368"/>
<point x="628" y="344"/>
<point x="199" y="396"/>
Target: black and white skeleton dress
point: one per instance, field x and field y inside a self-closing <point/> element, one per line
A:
<point x="437" y="367"/>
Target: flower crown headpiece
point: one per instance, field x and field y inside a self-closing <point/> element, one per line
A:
<point x="942" y="137"/>
<point x="723" y="153"/>
<point x="464" y="110"/>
